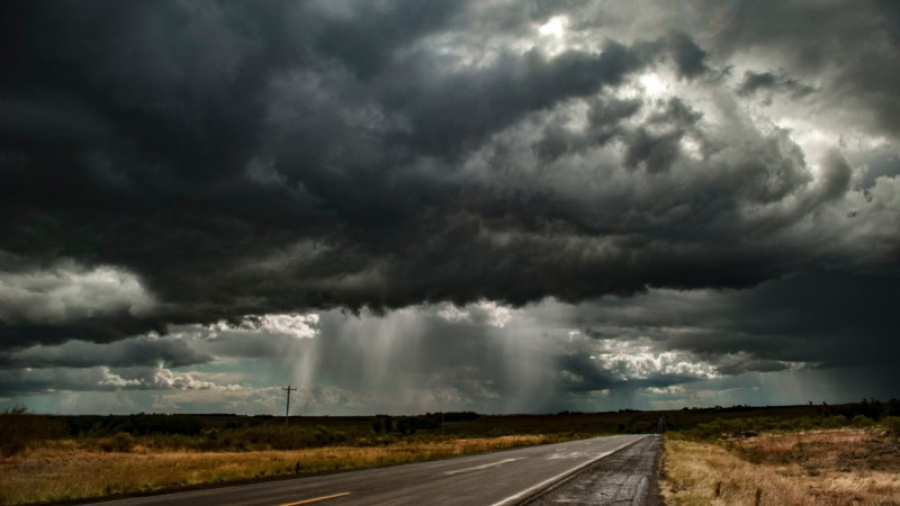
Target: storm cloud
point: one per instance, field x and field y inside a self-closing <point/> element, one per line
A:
<point x="257" y="168"/>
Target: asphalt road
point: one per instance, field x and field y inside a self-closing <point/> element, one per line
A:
<point x="494" y="479"/>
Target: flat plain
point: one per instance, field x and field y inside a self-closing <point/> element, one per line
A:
<point x="845" y="454"/>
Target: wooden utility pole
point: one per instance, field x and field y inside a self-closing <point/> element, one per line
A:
<point x="288" y="408"/>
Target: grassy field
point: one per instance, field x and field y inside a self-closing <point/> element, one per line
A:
<point x="827" y="467"/>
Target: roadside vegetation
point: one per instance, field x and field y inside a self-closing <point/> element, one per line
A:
<point x="849" y="455"/>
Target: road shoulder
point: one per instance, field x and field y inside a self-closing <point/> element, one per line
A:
<point x="628" y="476"/>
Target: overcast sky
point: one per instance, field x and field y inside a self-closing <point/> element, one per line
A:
<point x="423" y="205"/>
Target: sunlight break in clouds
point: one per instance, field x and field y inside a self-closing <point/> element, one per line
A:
<point x="653" y="85"/>
<point x="553" y="35"/>
<point x="490" y="313"/>
<point x="635" y="361"/>
<point x="300" y="326"/>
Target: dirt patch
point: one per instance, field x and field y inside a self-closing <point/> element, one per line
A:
<point x="837" y="450"/>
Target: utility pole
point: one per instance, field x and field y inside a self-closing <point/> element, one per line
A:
<point x="288" y="408"/>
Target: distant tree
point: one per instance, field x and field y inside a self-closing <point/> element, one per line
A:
<point x="892" y="408"/>
<point x="405" y="426"/>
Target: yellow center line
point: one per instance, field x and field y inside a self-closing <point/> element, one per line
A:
<point x="317" y="499"/>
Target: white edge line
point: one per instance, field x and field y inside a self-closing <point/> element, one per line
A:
<point x="531" y="490"/>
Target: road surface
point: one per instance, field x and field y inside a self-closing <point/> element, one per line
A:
<point x="493" y="479"/>
<point x="628" y="477"/>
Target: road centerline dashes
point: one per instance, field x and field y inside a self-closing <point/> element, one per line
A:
<point x="483" y="466"/>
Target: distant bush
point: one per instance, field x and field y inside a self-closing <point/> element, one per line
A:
<point x="278" y="437"/>
<point x="460" y="416"/>
<point x="892" y="424"/>
<point x="833" y="422"/>
<point x="122" y="442"/>
<point x="735" y="427"/>
<point x="18" y="429"/>
<point x="861" y="421"/>
<point x="137" y="425"/>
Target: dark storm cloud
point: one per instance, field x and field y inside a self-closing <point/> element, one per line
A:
<point x="466" y="108"/>
<point x="656" y="152"/>
<point x="690" y="59"/>
<point x="127" y="353"/>
<point x="855" y="58"/>
<point x="819" y="319"/>
<point x="880" y="162"/>
<point x="767" y="81"/>
<point x="604" y="118"/>
<point x="225" y="159"/>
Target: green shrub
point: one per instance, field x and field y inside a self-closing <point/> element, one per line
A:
<point x="861" y="421"/>
<point x="122" y="442"/>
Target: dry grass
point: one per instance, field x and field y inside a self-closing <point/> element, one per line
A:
<point x="65" y="471"/>
<point x="826" y="468"/>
